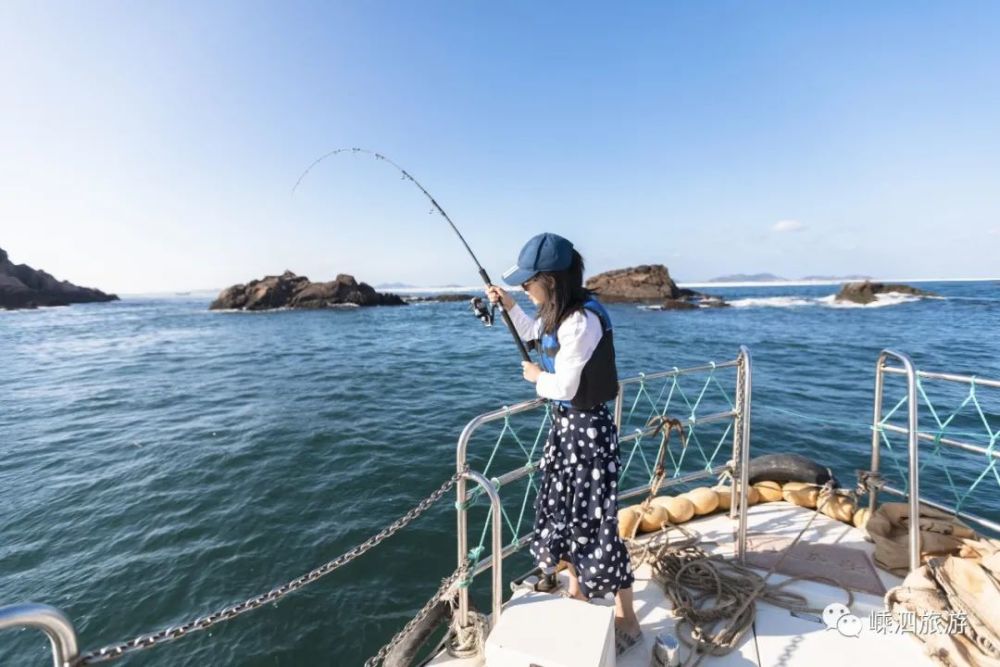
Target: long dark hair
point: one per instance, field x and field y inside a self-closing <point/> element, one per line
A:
<point x="564" y="293"/>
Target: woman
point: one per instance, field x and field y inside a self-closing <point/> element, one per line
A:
<point x="576" y="511"/>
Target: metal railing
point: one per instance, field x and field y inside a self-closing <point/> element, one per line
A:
<point x="914" y="435"/>
<point x="62" y="635"/>
<point x="738" y="466"/>
<point x="49" y="620"/>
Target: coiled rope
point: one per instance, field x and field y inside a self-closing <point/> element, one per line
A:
<point x="708" y="590"/>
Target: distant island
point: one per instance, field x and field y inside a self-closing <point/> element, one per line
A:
<point x="851" y="278"/>
<point x="771" y="278"/>
<point x="395" y="286"/>
<point x="24" y="287"/>
<point x="748" y="278"/>
<point x="292" y="291"/>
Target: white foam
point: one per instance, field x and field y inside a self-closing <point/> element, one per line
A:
<point x="829" y="301"/>
<point x="774" y="302"/>
<point x="881" y="301"/>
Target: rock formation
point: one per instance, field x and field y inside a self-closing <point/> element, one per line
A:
<point x="24" y="287"/>
<point x="291" y="291"/>
<point x="867" y="291"/>
<point x="648" y="284"/>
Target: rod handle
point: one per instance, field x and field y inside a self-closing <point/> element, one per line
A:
<point x="506" y="318"/>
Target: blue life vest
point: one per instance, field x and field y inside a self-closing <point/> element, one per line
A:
<point x="599" y="379"/>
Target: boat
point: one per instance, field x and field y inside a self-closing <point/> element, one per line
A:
<point x="793" y="584"/>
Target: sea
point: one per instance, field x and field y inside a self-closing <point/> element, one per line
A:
<point x="161" y="461"/>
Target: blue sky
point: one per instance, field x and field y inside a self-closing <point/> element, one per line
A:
<point x="153" y="146"/>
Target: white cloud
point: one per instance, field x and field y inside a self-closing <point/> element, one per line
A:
<point x="995" y="231"/>
<point x="787" y="226"/>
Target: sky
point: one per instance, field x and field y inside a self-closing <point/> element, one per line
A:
<point x="153" y="146"/>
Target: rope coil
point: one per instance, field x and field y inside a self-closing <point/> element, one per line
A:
<point x="708" y="590"/>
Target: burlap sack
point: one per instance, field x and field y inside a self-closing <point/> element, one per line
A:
<point x="940" y="535"/>
<point x="953" y="586"/>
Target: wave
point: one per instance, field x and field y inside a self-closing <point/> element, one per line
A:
<point x="829" y="301"/>
<point x="774" y="302"/>
<point x="881" y="301"/>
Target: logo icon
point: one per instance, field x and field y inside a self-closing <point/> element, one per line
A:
<point x="837" y="615"/>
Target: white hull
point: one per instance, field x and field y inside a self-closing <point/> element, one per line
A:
<point x="778" y="638"/>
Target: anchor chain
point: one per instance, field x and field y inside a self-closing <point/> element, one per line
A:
<point x="446" y="587"/>
<point x="116" y="651"/>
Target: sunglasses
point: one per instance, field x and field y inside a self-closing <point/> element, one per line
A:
<point x="527" y="282"/>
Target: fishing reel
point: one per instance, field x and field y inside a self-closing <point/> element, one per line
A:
<point x="482" y="313"/>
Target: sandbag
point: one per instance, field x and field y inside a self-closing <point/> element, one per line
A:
<point x="628" y="522"/>
<point x="836" y="506"/>
<point x="769" y="491"/>
<point x="725" y="494"/>
<point x="802" y="494"/>
<point x="679" y="508"/>
<point x="653" y="518"/>
<point x="941" y="534"/>
<point x="704" y="499"/>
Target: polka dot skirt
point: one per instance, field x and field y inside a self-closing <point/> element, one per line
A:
<point x="576" y="510"/>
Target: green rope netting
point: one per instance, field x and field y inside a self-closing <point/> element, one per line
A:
<point x="661" y="408"/>
<point x="648" y="402"/>
<point x="509" y="433"/>
<point x="936" y="459"/>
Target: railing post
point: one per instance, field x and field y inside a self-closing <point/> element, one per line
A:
<point x="734" y="507"/>
<point x="49" y="620"/>
<point x="497" y="556"/>
<point x="877" y="427"/>
<point x="912" y="427"/>
<point x="743" y="387"/>
<point x="462" y="516"/>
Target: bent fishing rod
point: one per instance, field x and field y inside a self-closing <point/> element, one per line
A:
<point x="406" y="176"/>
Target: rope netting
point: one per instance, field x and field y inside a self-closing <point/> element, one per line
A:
<point x="687" y="397"/>
<point x="517" y="440"/>
<point x="949" y="411"/>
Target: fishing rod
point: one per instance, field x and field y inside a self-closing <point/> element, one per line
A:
<point x="482" y="272"/>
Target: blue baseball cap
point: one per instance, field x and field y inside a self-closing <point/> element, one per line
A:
<point x="545" y="252"/>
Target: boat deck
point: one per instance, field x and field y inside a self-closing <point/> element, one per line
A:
<point x="778" y="638"/>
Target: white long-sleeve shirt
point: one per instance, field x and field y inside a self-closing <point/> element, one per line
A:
<point x="578" y="336"/>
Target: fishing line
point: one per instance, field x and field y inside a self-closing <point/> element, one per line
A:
<point x="406" y="176"/>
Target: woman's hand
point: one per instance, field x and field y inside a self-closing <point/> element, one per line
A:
<point x="531" y="371"/>
<point x="499" y="294"/>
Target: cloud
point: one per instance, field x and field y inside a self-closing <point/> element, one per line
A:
<point x="787" y="226"/>
<point x="995" y="231"/>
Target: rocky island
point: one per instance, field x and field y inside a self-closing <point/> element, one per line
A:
<point x="291" y="291"/>
<point x="649" y="284"/>
<point x="866" y="292"/>
<point x="24" y="287"/>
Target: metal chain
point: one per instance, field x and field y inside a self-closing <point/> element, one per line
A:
<point x="115" y="651"/>
<point x="442" y="592"/>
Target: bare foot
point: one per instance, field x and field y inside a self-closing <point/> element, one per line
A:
<point x="630" y="626"/>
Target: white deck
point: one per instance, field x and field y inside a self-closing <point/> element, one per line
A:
<point x="778" y="639"/>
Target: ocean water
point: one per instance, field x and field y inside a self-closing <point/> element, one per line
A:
<point x="160" y="461"/>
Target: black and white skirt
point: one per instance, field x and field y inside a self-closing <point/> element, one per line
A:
<point x="576" y="510"/>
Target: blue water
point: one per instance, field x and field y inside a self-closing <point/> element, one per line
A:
<point x="161" y="461"/>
